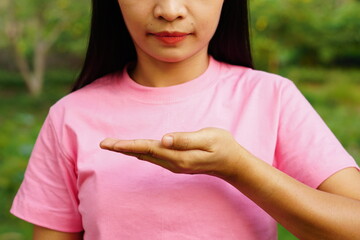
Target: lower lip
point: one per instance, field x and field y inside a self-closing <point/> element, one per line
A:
<point x="170" y="39"/>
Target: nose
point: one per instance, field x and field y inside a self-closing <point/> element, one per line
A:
<point x="170" y="10"/>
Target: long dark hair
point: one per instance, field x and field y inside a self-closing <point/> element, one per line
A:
<point x="110" y="46"/>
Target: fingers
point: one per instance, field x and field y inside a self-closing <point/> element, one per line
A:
<point x="131" y="146"/>
<point x="139" y="148"/>
<point x="201" y="140"/>
<point x="162" y="163"/>
<point x="151" y="151"/>
<point x="182" y="152"/>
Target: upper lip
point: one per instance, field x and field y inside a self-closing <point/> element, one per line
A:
<point x="169" y="34"/>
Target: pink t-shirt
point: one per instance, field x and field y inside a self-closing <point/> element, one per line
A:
<point x="72" y="185"/>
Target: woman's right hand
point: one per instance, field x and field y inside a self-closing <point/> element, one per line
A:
<point x="211" y="151"/>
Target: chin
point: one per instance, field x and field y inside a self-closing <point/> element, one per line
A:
<point x="175" y="58"/>
<point x="171" y="59"/>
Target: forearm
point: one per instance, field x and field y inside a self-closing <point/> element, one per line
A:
<point x="308" y="213"/>
<point x="41" y="233"/>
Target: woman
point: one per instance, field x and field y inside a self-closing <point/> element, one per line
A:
<point x="251" y="148"/>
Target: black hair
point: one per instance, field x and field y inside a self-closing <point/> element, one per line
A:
<point x="110" y="46"/>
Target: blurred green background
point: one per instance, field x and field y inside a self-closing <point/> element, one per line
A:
<point x="42" y="44"/>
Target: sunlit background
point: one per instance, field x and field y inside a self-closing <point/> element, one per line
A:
<point x="42" y="44"/>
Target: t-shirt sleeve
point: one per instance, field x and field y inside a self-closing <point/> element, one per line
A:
<point x="48" y="195"/>
<point x="306" y="148"/>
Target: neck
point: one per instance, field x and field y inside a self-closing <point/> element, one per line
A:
<point x="153" y="73"/>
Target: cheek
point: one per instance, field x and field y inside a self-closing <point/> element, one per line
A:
<point x="207" y="27"/>
<point x="210" y="20"/>
<point x="133" y="25"/>
<point x="133" y="14"/>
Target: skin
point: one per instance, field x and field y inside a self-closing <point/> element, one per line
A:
<point x="160" y="64"/>
<point x="330" y="212"/>
<point x="41" y="233"/>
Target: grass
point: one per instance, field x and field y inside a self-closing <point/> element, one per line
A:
<point x="333" y="93"/>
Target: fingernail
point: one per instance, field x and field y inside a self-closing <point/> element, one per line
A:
<point x="106" y="143"/>
<point x="168" y="141"/>
<point x="103" y="144"/>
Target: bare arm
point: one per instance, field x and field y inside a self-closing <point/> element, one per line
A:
<point x="329" y="213"/>
<point x="306" y="212"/>
<point x="41" y="233"/>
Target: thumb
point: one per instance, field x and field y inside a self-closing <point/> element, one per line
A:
<point x="184" y="141"/>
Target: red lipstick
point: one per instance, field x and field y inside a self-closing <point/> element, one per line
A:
<point x="170" y="37"/>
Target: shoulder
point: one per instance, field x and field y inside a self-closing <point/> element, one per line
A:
<point x="85" y="103"/>
<point x="89" y="95"/>
<point x="244" y="79"/>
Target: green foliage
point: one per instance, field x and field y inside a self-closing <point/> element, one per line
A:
<point x="33" y="27"/>
<point x="21" y="117"/>
<point x="284" y="234"/>
<point x="49" y="21"/>
<point x="305" y="32"/>
<point x="284" y="32"/>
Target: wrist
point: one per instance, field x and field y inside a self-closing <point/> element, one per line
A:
<point x="237" y="165"/>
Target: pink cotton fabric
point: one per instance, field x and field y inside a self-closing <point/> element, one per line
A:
<point x="72" y="185"/>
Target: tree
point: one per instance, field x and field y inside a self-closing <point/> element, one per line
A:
<point x="33" y="27"/>
<point x="305" y="32"/>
